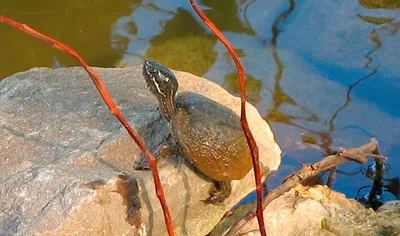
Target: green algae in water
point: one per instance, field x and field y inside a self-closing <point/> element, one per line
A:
<point x="184" y="45"/>
<point x="253" y="86"/>
<point x="190" y="53"/>
<point x="384" y="4"/>
<point x="375" y="20"/>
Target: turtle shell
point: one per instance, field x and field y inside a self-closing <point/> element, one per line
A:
<point x="210" y="137"/>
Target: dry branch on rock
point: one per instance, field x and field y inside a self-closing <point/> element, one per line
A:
<point x="359" y="155"/>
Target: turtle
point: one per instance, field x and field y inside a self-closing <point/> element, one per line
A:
<point x="207" y="134"/>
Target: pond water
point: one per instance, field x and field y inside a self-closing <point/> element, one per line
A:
<point x="324" y="74"/>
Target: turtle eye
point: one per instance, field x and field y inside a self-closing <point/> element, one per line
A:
<point x="154" y="73"/>
<point x="161" y="77"/>
<point x="164" y="78"/>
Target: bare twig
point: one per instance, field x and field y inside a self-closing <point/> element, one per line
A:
<point x="111" y="105"/>
<point x="249" y="136"/>
<point x="307" y="171"/>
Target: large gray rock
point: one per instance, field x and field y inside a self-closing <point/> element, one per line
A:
<point x="66" y="163"/>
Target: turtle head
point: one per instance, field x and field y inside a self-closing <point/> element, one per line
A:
<point x="163" y="84"/>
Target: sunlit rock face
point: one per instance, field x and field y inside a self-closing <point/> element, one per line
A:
<point x="319" y="210"/>
<point x="66" y="164"/>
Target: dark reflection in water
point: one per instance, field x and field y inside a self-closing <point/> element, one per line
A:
<point x="320" y="134"/>
<point x="311" y="71"/>
<point x="390" y="191"/>
<point x="281" y="98"/>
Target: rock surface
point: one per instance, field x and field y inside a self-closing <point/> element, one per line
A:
<point x="66" y="163"/>
<point x="320" y="211"/>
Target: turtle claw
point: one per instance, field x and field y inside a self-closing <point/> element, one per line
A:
<point x="141" y="165"/>
<point x="165" y="150"/>
<point x="213" y="199"/>
<point x="219" y="193"/>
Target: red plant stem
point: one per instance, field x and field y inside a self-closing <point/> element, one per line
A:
<point x="111" y="105"/>
<point x="249" y="136"/>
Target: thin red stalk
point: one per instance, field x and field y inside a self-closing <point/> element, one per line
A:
<point x="111" y="105"/>
<point x="249" y="136"/>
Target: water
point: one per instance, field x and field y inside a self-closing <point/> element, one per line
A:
<point x="314" y="68"/>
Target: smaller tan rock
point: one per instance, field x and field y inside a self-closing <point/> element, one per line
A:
<point x="318" y="210"/>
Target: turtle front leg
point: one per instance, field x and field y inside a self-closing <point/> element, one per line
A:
<point x="220" y="192"/>
<point x="165" y="150"/>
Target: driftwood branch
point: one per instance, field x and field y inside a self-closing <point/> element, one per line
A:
<point x="359" y="155"/>
<point x="245" y="126"/>
<point x="110" y="104"/>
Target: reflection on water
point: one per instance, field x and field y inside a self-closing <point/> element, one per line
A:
<point x="384" y="4"/>
<point x="390" y="189"/>
<point x="83" y="25"/>
<point x="322" y="131"/>
<point x="186" y="37"/>
<point x="311" y="71"/>
<point x="281" y="98"/>
<point x="232" y="10"/>
<point x="254" y="86"/>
